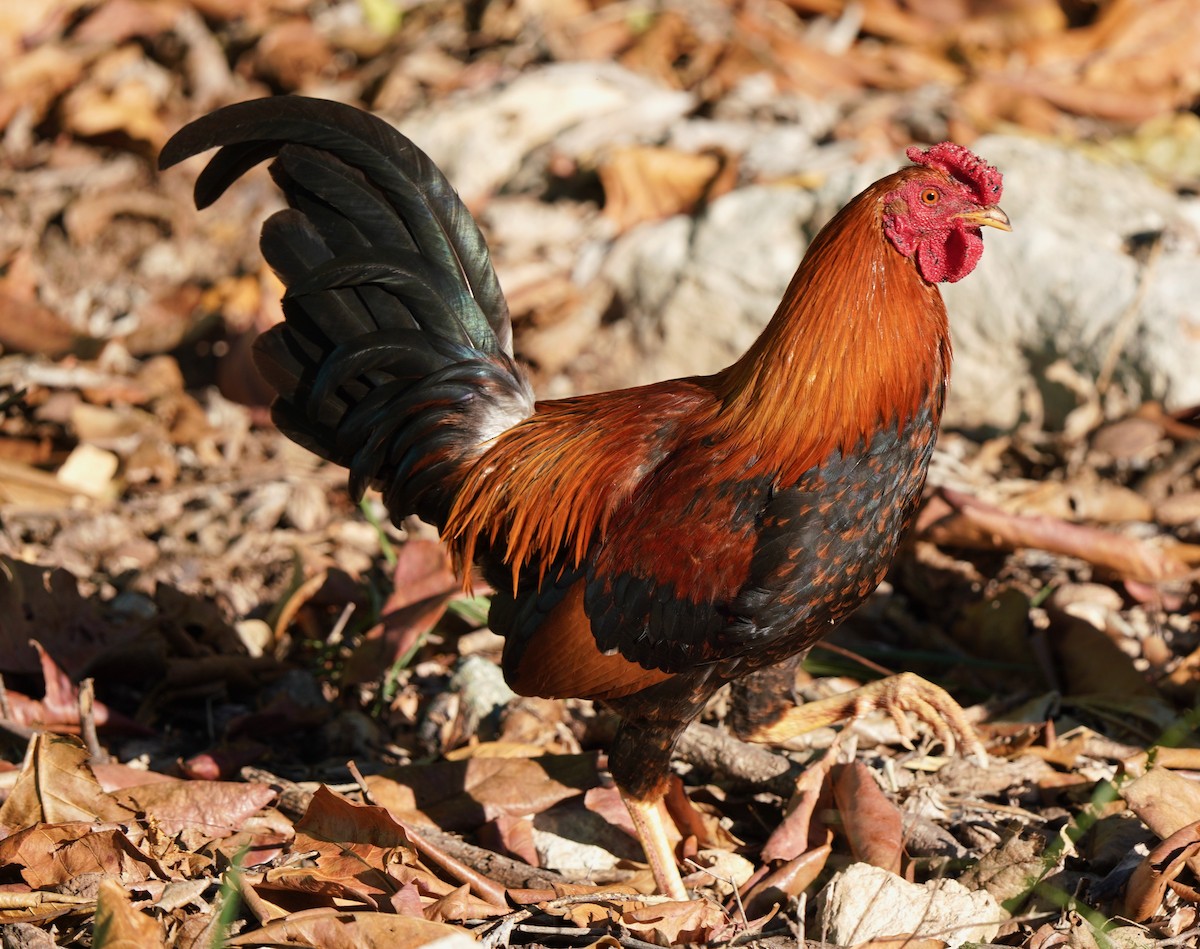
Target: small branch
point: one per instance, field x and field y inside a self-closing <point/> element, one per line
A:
<point x="739" y="763"/>
<point x="87" y="721"/>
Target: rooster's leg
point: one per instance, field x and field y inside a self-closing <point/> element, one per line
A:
<point x="640" y="762"/>
<point x="648" y="821"/>
<point x="896" y="695"/>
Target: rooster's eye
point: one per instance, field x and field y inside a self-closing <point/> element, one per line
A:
<point x="929" y="196"/>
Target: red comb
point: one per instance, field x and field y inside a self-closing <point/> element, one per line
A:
<point x="963" y="164"/>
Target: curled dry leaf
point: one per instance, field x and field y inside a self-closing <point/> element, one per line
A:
<point x="955" y="519"/>
<point x="869" y="819"/>
<point x="1151" y="878"/>
<point x="56" y="785"/>
<point x="789" y="880"/>
<point x="794" y="835"/>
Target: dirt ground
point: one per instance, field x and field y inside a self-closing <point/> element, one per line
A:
<point x="236" y="708"/>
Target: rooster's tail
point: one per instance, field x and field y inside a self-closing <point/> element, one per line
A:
<point x="395" y="358"/>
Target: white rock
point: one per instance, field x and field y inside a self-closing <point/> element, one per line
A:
<point x="481" y="139"/>
<point x="864" y="902"/>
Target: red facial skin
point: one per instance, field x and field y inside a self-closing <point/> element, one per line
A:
<point x="924" y="218"/>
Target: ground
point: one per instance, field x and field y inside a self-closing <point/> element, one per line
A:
<point x="237" y="708"/>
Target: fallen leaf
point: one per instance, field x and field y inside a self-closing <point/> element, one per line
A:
<point x="422" y="584"/>
<point x="330" y="929"/>
<point x="787" y="881"/>
<point x="463" y="795"/>
<point x="646" y="184"/>
<point x="53" y="854"/>
<point x="119" y="926"/>
<point x="1153" y="875"/>
<point x="56" y="786"/>
<point x="1165" y="801"/>
<point x="955" y="519"/>
<point x="871" y="822"/>
<point x="214" y="809"/>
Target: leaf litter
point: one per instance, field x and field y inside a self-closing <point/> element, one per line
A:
<point x="302" y="734"/>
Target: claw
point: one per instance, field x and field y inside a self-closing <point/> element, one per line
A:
<point x="896" y="695"/>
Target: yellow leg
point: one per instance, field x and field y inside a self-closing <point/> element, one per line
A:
<point x="896" y="695"/>
<point x="652" y="832"/>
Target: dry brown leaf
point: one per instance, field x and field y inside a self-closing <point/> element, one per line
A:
<point x="119" y="926"/>
<point x="1165" y="802"/>
<point x="57" y="786"/>
<point x="1091" y="663"/>
<point x="955" y="519"/>
<point x="215" y="809"/>
<point x="359" y="854"/>
<point x="124" y="92"/>
<point x="293" y="53"/>
<point x="333" y="883"/>
<point x="115" y="21"/>
<point x="793" y="837"/>
<point x="423" y="583"/>
<point x="331" y="929"/>
<point x="512" y="836"/>
<point x="1151" y="878"/>
<point x="673" y="922"/>
<point x="645" y="184"/>
<point x="460" y="905"/>
<point x="872" y="823"/>
<point x="52" y="854"/>
<point x="32" y="81"/>
<point x="59" y="706"/>
<point x="462" y="795"/>
<point x="790" y="880"/>
<point x="366" y="844"/>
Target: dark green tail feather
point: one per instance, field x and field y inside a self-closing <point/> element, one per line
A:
<point x="395" y="355"/>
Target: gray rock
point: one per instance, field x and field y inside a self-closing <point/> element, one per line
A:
<point x="698" y="292"/>
<point x="1066" y="283"/>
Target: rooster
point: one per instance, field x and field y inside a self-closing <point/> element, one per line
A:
<point x="646" y="545"/>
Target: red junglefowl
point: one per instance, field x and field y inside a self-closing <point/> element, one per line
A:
<point x="646" y="545"/>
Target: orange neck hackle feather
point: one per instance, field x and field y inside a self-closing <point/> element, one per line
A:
<point x="859" y="342"/>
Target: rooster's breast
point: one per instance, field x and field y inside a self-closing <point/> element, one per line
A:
<point x="826" y="542"/>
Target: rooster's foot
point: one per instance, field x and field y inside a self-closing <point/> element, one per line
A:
<point x="896" y="695"/>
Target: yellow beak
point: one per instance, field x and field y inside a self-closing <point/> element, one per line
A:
<point x="989" y="217"/>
